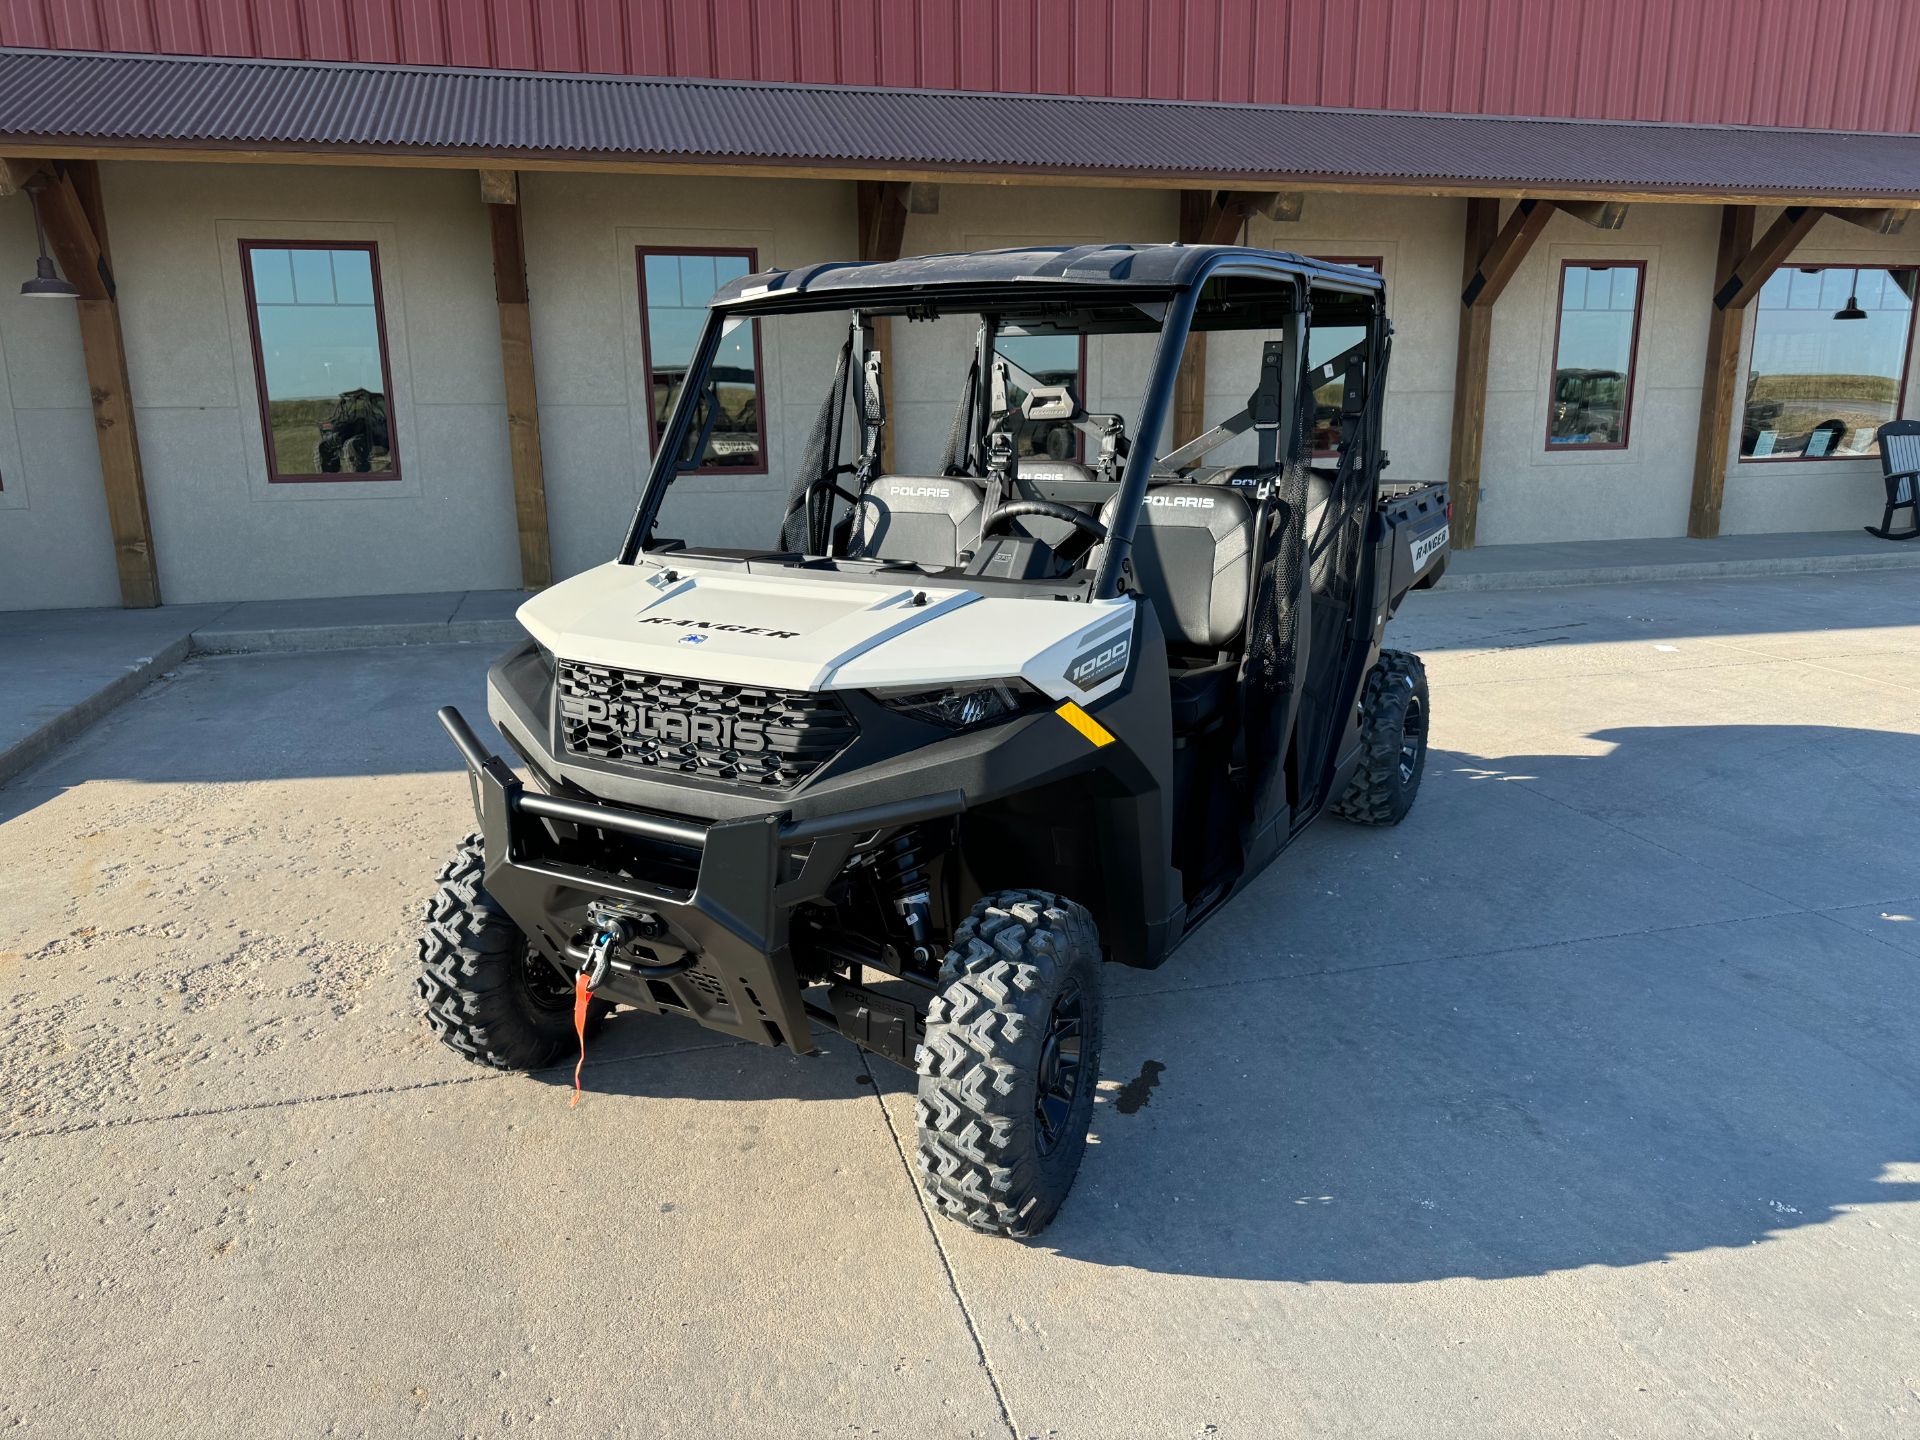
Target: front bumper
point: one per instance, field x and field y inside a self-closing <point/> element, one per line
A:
<point x="717" y="896"/>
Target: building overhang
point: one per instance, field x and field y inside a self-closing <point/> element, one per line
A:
<point x="57" y="104"/>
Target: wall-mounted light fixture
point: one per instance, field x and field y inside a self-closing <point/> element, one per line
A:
<point x="46" y="283"/>
<point x="1851" y="310"/>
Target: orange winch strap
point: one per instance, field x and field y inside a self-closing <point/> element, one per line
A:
<point x="582" y="997"/>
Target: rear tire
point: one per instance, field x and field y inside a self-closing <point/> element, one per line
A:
<point x="1010" y="1063"/>
<point x="1393" y="742"/>
<point x="485" y="993"/>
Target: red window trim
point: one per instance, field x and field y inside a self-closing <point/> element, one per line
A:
<point x="274" y="477"/>
<point x="1375" y="263"/>
<point x="1899" y="395"/>
<point x="1633" y="355"/>
<point x="654" y="422"/>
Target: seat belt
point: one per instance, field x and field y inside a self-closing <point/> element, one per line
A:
<point x="873" y="424"/>
<point x="1000" y="455"/>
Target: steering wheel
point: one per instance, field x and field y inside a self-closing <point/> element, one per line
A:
<point x="1052" y="509"/>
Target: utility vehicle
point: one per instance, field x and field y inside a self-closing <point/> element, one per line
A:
<point x="905" y="750"/>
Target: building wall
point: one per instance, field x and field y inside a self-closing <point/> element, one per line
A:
<point x="222" y="531"/>
<point x="56" y="549"/>
<point x="582" y="235"/>
<point x="1740" y="62"/>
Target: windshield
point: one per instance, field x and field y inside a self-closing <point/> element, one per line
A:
<point x="984" y="436"/>
<point x="888" y="438"/>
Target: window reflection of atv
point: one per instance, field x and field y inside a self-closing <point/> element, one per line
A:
<point x="1588" y="406"/>
<point x="912" y="767"/>
<point x="356" y="427"/>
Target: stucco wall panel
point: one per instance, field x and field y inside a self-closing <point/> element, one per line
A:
<point x="56" y="550"/>
<point x="222" y="530"/>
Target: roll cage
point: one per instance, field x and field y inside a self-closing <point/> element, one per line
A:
<point x="1170" y="282"/>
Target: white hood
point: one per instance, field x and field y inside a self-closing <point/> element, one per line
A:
<point x="794" y="632"/>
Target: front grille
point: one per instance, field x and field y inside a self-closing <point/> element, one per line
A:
<point x="743" y="733"/>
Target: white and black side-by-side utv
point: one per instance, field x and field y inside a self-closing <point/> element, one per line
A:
<point x="908" y="754"/>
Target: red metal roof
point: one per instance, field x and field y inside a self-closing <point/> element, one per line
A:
<point x="1814" y="64"/>
<point x="51" y="97"/>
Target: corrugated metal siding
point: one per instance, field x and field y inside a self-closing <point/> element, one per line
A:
<point x="154" y="100"/>
<point x="1811" y="64"/>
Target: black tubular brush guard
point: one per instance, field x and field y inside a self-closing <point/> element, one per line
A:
<point x="730" y="923"/>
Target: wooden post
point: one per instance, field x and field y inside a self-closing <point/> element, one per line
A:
<point x="881" y="208"/>
<point x="1209" y="219"/>
<point x="1470" y="380"/>
<point x="75" y="222"/>
<point x="1492" y="255"/>
<point x="1725" y="324"/>
<point x="1190" y="383"/>
<point x="522" y="394"/>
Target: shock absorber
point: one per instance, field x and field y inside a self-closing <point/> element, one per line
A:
<point x="902" y="876"/>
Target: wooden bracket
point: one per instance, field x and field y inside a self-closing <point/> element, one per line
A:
<point x="1601" y="214"/>
<point x="882" y="214"/>
<point x="1742" y="283"/>
<point x="1880" y="222"/>
<point x="1502" y="259"/>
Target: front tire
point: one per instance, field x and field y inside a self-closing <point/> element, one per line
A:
<point x="485" y="993"/>
<point x="1393" y="742"/>
<point x="1010" y="1063"/>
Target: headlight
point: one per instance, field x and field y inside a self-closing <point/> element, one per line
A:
<point x="962" y="707"/>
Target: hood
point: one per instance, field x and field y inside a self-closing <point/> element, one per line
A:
<point x="727" y="626"/>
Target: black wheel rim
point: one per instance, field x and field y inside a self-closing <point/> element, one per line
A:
<point x="1058" y="1081"/>
<point x="1413" y="739"/>
<point x="546" y="986"/>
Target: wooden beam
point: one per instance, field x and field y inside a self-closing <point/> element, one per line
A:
<point x="881" y="208"/>
<point x="522" y="396"/>
<point x="1752" y="270"/>
<point x="74" y="219"/>
<point x="1309" y="181"/>
<point x="1502" y="259"/>
<point x="1197" y="212"/>
<point x="1881" y="222"/>
<point x="882" y="211"/>
<point x="1717" y="386"/>
<point x="499" y="187"/>
<point x="1470" y="375"/>
<point x="1281" y="206"/>
<point x="1601" y="214"/>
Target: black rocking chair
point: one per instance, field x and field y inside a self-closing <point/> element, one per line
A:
<point x="1900" y="466"/>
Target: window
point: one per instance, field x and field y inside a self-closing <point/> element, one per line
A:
<point x="1595" y="342"/>
<point x="1050" y="360"/>
<point x="1829" y="361"/>
<point x="320" y="359"/>
<point x="1329" y="342"/>
<point x="675" y="286"/>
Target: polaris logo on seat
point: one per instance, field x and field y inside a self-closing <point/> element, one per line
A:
<point x="675" y="727"/>
<point x="1182" y="502"/>
<point x="1107" y="658"/>
<point x="719" y="629"/>
<point x="928" y="492"/>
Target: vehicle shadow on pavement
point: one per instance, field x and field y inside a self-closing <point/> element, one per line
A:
<point x="1705" y="1068"/>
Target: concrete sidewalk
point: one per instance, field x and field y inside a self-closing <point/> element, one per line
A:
<point x="1580" y="1104"/>
<point x="64" y="669"/>
<point x="1619" y="562"/>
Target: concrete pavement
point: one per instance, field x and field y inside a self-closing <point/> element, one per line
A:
<point x="1581" y="1103"/>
